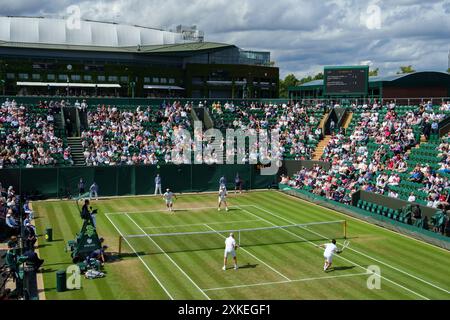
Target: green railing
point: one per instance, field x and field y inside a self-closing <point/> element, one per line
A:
<point x="129" y="180"/>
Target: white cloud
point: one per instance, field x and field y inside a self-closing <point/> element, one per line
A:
<point x="303" y="35"/>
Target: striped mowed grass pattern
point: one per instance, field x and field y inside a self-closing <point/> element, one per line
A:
<point x="285" y="270"/>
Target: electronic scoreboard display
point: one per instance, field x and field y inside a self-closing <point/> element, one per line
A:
<point x="346" y="80"/>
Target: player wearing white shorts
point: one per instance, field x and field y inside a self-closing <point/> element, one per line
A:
<point x="223" y="198"/>
<point x="330" y="250"/>
<point x="168" y="197"/>
<point x="230" y="249"/>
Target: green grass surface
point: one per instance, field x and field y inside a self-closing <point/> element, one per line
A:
<point x="289" y="268"/>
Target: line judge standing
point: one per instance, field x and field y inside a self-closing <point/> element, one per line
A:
<point x="158" y="185"/>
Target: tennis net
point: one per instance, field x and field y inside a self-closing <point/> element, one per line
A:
<point x="211" y="239"/>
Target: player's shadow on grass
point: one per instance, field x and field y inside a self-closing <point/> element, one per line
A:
<point x="248" y="266"/>
<point x="342" y="268"/>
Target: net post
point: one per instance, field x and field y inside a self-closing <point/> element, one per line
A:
<point x="345" y="229"/>
<point x="239" y="234"/>
<point x="120" y="245"/>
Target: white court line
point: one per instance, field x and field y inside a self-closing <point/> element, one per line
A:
<point x="271" y="268"/>
<point x="199" y="224"/>
<point x="175" y="210"/>
<point x="290" y="281"/>
<point x="381" y="262"/>
<point x="179" y="268"/>
<point x="140" y="258"/>
<point x="393" y="282"/>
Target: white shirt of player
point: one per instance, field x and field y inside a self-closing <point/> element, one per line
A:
<point x="330" y="249"/>
<point x="168" y="196"/>
<point x="230" y="244"/>
<point x="222" y="194"/>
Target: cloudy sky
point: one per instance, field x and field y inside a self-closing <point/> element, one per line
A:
<point x="302" y="35"/>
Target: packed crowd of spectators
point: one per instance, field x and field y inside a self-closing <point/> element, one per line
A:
<point x="374" y="157"/>
<point x="296" y="124"/>
<point x="27" y="136"/>
<point x="140" y="136"/>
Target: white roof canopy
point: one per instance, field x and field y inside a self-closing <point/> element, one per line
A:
<point x="84" y="33"/>
<point x="162" y="87"/>
<point x="68" y="84"/>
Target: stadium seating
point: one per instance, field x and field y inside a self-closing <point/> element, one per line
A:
<point x="28" y="137"/>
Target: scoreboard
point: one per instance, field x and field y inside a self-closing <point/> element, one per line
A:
<point x="346" y="80"/>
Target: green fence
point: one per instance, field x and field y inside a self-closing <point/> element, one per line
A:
<point x="130" y="180"/>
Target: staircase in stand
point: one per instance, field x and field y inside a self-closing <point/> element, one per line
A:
<point x="77" y="151"/>
<point x="348" y="120"/>
<point x="320" y="148"/>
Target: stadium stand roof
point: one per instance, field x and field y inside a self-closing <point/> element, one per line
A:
<point x="49" y="33"/>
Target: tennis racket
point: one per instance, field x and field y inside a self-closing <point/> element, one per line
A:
<point x="345" y="245"/>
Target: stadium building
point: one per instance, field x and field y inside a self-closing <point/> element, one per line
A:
<point x="413" y="86"/>
<point x="41" y="56"/>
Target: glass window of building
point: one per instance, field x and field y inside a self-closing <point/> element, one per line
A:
<point x="36" y="76"/>
<point x="76" y="77"/>
<point x="87" y="77"/>
<point x="113" y="78"/>
<point x="124" y="79"/>
<point x="10" y="76"/>
<point x="101" y="78"/>
<point x="146" y="79"/>
<point x="155" y="80"/>
<point x="171" y="80"/>
<point x="62" y="77"/>
<point x="163" y="80"/>
<point x="23" y="76"/>
<point x="50" y="76"/>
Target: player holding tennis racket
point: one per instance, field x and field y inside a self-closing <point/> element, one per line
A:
<point x="330" y="250"/>
<point x="230" y="249"/>
<point x="168" y="197"/>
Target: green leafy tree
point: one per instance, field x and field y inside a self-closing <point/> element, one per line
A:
<point x="406" y="69"/>
<point x="318" y="76"/>
<point x="448" y="70"/>
<point x="289" y="81"/>
<point x="373" y="73"/>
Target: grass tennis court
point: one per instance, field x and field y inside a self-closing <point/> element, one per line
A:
<point x="275" y="264"/>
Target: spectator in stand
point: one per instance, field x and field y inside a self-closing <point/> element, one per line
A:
<point x="412" y="197"/>
<point x="29" y="236"/>
<point x="27" y="210"/>
<point x="11" y="223"/>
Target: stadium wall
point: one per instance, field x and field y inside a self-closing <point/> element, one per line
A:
<point x="291" y="167"/>
<point x="45" y="183"/>
<point x="409" y="230"/>
<point x="388" y="202"/>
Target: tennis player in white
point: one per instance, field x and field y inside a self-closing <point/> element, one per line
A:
<point x="223" y="198"/>
<point x="330" y="250"/>
<point x="230" y="248"/>
<point x="168" y="196"/>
